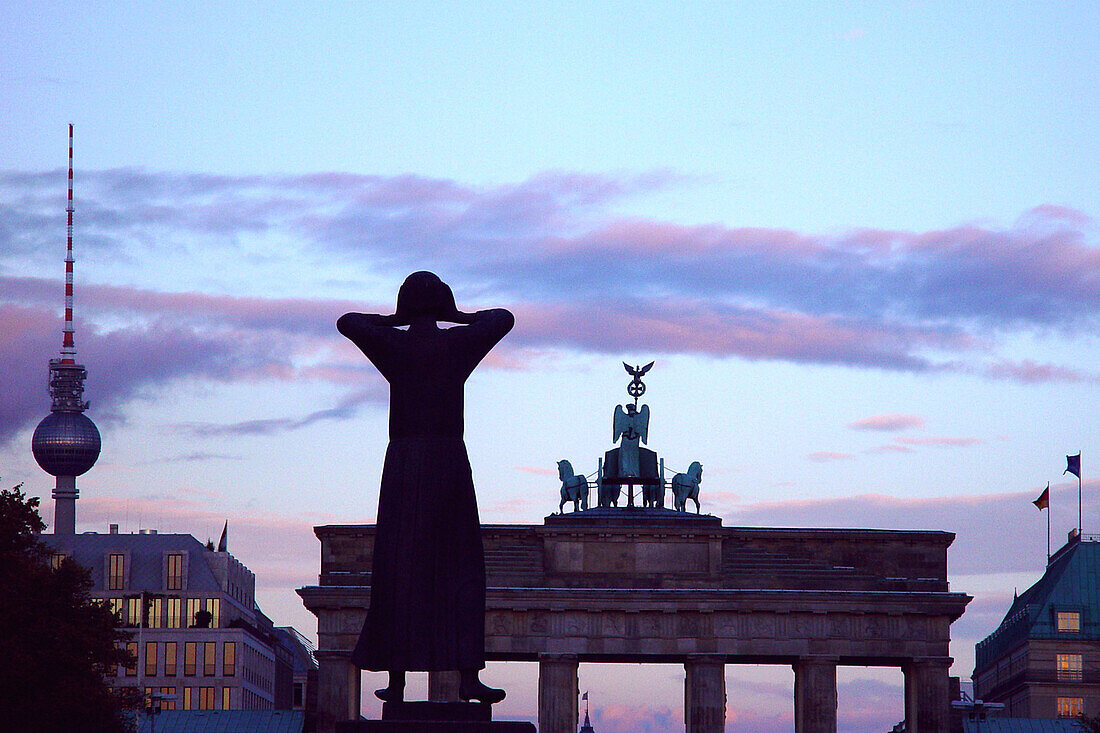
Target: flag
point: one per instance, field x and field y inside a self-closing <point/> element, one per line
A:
<point x="1073" y="465"/>
<point x="585" y="695"/>
<point x="1043" y="502"/>
<point x="222" y="541"/>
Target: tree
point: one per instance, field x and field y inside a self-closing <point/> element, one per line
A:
<point x="1089" y="724"/>
<point x="57" y="643"/>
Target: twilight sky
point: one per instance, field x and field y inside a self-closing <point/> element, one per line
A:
<point x="859" y="240"/>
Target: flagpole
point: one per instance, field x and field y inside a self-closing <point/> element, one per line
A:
<point x="1048" y="530"/>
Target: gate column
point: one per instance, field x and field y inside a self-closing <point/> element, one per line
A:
<point x="558" y="693"/>
<point x="443" y="686"/>
<point x="815" y="695"/>
<point x="338" y="689"/>
<point x="705" y="694"/>
<point x="927" y="694"/>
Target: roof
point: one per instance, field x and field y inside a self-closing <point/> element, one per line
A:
<point x="225" y="721"/>
<point x="146" y="557"/>
<point x="1023" y="725"/>
<point x="1071" y="582"/>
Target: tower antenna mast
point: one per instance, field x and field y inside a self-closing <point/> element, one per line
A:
<point x="68" y="345"/>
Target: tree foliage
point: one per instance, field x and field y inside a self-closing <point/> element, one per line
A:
<point x="58" y="645"/>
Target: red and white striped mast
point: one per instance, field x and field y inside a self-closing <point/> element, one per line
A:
<point x="68" y="346"/>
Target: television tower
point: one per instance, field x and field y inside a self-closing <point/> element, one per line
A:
<point x="66" y="443"/>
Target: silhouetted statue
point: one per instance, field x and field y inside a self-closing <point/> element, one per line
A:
<point x="427" y="607"/>
<point x="686" y="486"/>
<point x="574" y="488"/>
<point x="631" y="425"/>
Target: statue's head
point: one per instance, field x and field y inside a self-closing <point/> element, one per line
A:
<point x="565" y="469"/>
<point x="630" y="408"/>
<point x="424" y="294"/>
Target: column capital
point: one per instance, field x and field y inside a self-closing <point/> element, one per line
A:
<point x="818" y="659"/>
<point x="550" y="657"/>
<point x="704" y="659"/>
<point x="929" y="662"/>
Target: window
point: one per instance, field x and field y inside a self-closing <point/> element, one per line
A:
<point x="56" y="560"/>
<point x="170" y="659"/>
<point x="174" y="613"/>
<point x="133" y="611"/>
<point x="226" y="698"/>
<point x="188" y="694"/>
<point x="192" y="609"/>
<point x="117" y="605"/>
<point x="210" y="659"/>
<point x="190" y="651"/>
<point x="229" y="659"/>
<point x="1069" y="621"/>
<point x="174" y="579"/>
<point x="1070" y="707"/>
<point x="156" y="613"/>
<point x="116" y="578"/>
<point x="131" y="669"/>
<point x="206" y="698"/>
<point x="1068" y="666"/>
<point x="150" y="659"/>
<point x="214" y="606"/>
<point x="299" y="696"/>
<point x="168" y="698"/>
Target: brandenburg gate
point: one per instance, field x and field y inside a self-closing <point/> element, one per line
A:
<point x="650" y="585"/>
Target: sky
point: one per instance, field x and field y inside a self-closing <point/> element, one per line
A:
<point x="859" y="240"/>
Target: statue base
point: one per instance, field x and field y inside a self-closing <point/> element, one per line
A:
<point x="429" y="717"/>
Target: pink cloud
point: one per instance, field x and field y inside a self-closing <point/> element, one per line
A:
<point x="1035" y="373"/>
<point x="939" y="442"/>
<point x="888" y="422"/>
<point x="824" y="456"/>
<point x="888" y="448"/>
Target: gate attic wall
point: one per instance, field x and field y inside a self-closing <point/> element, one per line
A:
<point x="652" y="585"/>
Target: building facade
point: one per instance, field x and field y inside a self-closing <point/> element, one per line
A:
<point x="200" y="641"/>
<point x="1043" y="660"/>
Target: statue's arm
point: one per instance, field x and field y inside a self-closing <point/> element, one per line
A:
<point x="354" y="324"/>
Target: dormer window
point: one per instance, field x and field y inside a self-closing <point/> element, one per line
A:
<point x="174" y="572"/>
<point x="1068" y="621"/>
<point x="116" y="576"/>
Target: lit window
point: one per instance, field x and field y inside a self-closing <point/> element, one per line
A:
<point x="188" y="693"/>
<point x="174" y="581"/>
<point x="170" y="659"/>
<point x="56" y="560"/>
<point x="206" y="698"/>
<point x="1070" y="707"/>
<point x="117" y="606"/>
<point x="174" y="613"/>
<point x="192" y="609"/>
<point x="214" y="607"/>
<point x="116" y="579"/>
<point x="150" y="659"/>
<point x="156" y="613"/>
<point x="190" y="652"/>
<point x="229" y="659"/>
<point x="133" y="611"/>
<point x="226" y="698"/>
<point x="168" y="698"/>
<point x="131" y="669"/>
<point x="210" y="658"/>
<point x="1069" y="621"/>
<point x="1068" y="666"/>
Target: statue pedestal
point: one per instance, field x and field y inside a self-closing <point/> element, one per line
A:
<point x="432" y="717"/>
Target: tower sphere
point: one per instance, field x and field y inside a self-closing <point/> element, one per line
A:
<point x="65" y="443"/>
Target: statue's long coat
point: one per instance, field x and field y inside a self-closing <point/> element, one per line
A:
<point x="427" y="609"/>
